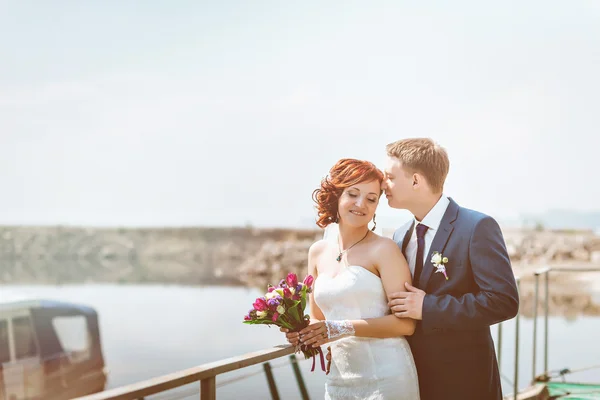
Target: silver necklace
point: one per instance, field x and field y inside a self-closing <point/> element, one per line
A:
<point x="339" y="257"/>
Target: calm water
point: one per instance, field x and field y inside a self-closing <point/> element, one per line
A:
<point x="153" y="330"/>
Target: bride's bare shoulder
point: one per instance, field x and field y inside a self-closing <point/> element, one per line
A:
<point x="384" y="243"/>
<point x="318" y="247"/>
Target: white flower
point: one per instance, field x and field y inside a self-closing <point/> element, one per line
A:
<point x="271" y="295"/>
<point x="438" y="261"/>
<point x="261" y="314"/>
<point x="281" y="309"/>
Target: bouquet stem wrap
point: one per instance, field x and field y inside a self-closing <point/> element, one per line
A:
<point x="309" y="351"/>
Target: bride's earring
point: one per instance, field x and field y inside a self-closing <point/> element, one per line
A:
<point x="375" y="224"/>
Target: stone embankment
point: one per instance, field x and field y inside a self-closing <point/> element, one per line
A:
<point x="255" y="257"/>
<point x="529" y="250"/>
<point x="195" y="256"/>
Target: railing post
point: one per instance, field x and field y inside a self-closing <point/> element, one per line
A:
<point x="516" y="377"/>
<point x="546" y="325"/>
<point x="299" y="379"/>
<point x="271" y="381"/>
<point x="208" y="388"/>
<point x="535" y="311"/>
<point x="500" y="347"/>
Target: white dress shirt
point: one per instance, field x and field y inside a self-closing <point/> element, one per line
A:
<point x="432" y="220"/>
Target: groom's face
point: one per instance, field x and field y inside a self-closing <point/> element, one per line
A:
<point x="397" y="184"/>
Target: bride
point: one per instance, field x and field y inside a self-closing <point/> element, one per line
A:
<point x="354" y="272"/>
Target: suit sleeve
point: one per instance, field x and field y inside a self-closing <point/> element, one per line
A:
<point x="497" y="299"/>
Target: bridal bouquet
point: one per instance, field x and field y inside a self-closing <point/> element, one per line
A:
<point x="284" y="306"/>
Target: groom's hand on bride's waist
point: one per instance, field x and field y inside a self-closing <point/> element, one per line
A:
<point x="407" y="304"/>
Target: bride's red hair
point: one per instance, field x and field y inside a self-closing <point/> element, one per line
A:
<point x="345" y="173"/>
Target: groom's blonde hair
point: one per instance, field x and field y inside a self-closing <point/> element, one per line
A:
<point x="424" y="156"/>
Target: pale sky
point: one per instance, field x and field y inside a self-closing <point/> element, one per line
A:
<point x="195" y="113"/>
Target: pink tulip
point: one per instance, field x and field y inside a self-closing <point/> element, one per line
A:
<point x="275" y="317"/>
<point x="308" y="281"/>
<point x="292" y="280"/>
<point x="287" y="293"/>
<point x="271" y="288"/>
<point x="260" y="304"/>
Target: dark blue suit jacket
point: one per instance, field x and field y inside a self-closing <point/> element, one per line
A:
<point x="452" y="345"/>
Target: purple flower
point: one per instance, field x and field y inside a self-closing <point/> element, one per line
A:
<point x="282" y="283"/>
<point x="273" y="304"/>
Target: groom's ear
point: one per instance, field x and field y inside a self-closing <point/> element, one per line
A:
<point x="416" y="179"/>
<point x="419" y="181"/>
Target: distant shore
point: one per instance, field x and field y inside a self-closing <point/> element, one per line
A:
<point x="570" y="294"/>
<point x="255" y="257"/>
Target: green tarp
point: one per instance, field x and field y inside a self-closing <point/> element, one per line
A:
<point x="573" y="391"/>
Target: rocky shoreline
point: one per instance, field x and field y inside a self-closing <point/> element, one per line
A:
<point x="571" y="294"/>
<point x="194" y="256"/>
<point x="256" y="257"/>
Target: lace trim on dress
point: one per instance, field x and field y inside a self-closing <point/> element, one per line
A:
<point x="337" y="329"/>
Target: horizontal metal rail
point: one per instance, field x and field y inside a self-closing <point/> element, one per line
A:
<point x="205" y="374"/>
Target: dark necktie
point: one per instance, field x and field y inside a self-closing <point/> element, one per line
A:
<point x="421" y="229"/>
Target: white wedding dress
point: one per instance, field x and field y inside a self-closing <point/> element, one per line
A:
<point x="364" y="368"/>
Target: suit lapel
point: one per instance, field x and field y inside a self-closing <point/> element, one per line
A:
<point x="439" y="242"/>
<point x="406" y="239"/>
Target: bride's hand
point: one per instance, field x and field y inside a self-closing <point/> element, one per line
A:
<point x="292" y="337"/>
<point x="314" y="334"/>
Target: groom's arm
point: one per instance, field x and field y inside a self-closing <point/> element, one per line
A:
<point x="497" y="299"/>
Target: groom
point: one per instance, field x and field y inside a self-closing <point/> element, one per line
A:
<point x="457" y="294"/>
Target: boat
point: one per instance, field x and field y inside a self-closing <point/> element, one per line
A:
<point x="49" y="349"/>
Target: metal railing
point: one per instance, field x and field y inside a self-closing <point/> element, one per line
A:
<point x="515" y="381"/>
<point x="545" y="272"/>
<point x="206" y="374"/>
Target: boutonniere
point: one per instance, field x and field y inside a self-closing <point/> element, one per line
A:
<point x="438" y="261"/>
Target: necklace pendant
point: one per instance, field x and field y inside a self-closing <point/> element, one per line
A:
<point x="339" y="257"/>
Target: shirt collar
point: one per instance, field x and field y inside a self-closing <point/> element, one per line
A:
<point x="433" y="219"/>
